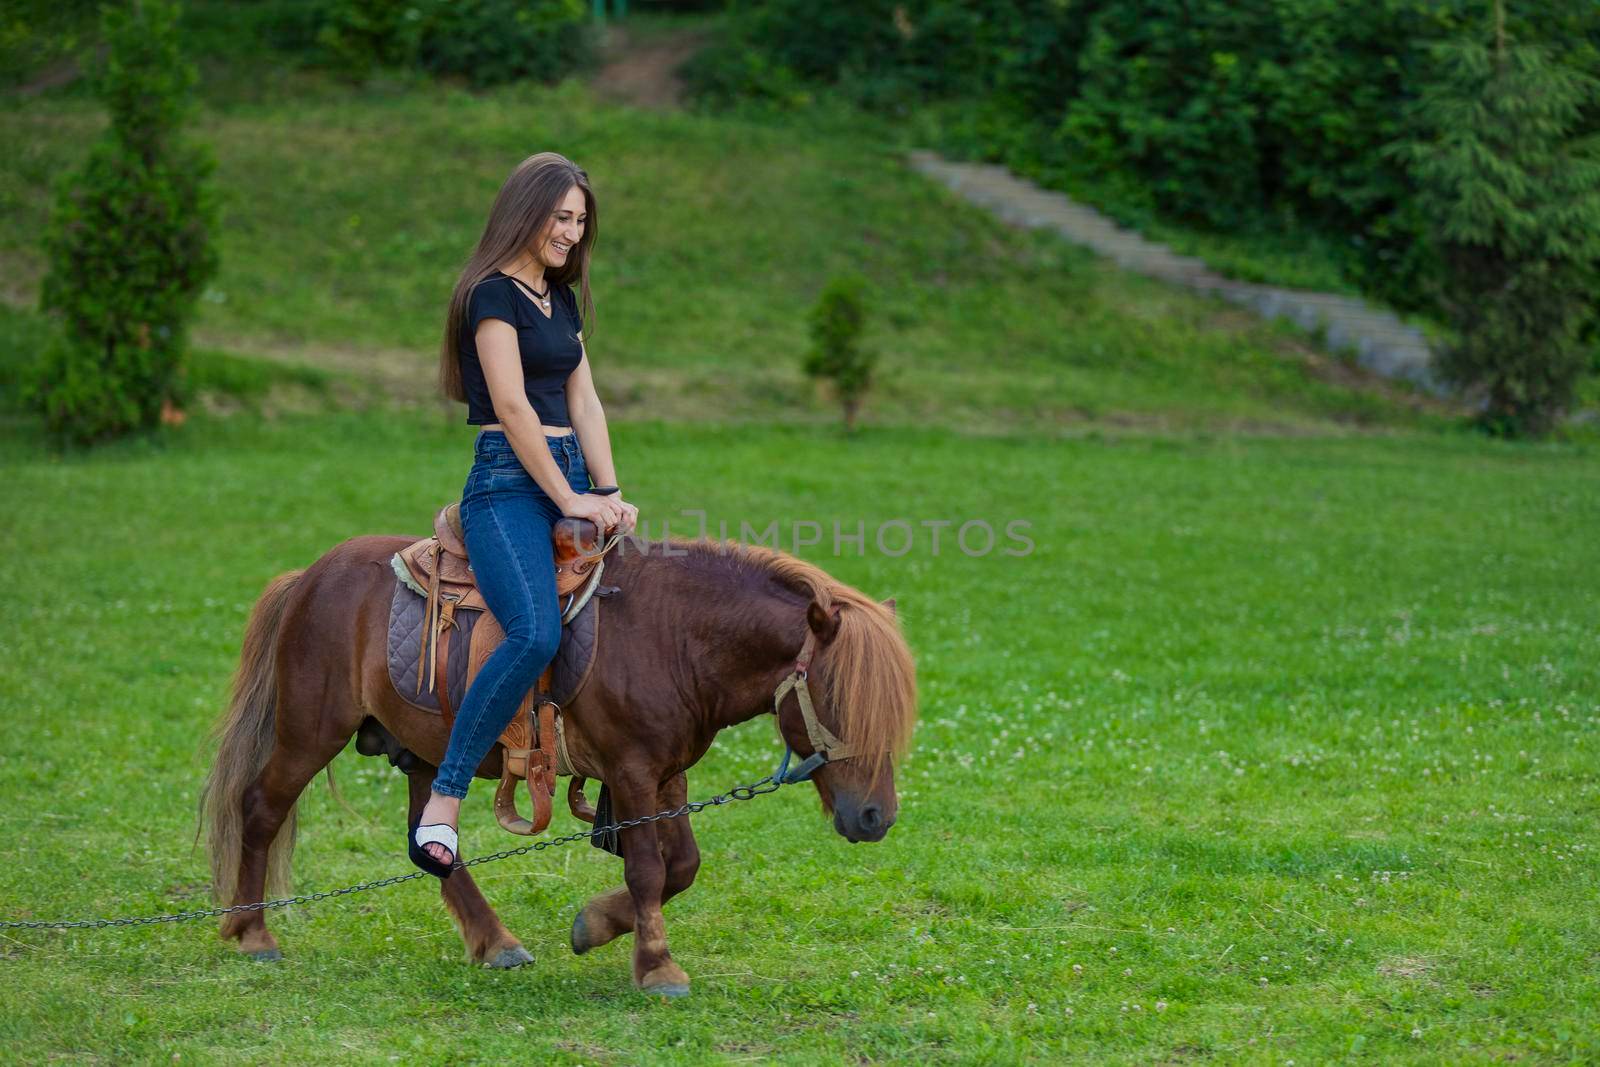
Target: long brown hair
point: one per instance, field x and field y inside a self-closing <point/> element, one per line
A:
<point x="520" y="213"/>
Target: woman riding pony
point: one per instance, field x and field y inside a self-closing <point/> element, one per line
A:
<point x="513" y="352"/>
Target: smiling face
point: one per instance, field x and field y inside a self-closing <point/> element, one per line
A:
<point x="563" y="230"/>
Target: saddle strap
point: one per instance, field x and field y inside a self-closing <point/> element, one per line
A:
<point x="548" y="711"/>
<point x="441" y="660"/>
<point x="518" y="740"/>
<point x="439" y="617"/>
<point x="427" y="622"/>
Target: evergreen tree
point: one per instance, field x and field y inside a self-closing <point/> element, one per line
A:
<point x="836" y="353"/>
<point x="1513" y="192"/>
<point x="127" y="244"/>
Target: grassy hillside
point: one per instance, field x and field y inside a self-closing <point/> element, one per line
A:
<point x="348" y="212"/>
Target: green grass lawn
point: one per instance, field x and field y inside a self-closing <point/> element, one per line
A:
<point x="1271" y="749"/>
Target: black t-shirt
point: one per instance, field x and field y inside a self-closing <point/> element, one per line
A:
<point x="548" y="344"/>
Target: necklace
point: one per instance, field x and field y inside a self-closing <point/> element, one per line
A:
<point x="544" y="297"/>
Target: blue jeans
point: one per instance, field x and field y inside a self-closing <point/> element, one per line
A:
<point x="508" y="521"/>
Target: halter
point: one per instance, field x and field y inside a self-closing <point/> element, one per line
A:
<point x="825" y="746"/>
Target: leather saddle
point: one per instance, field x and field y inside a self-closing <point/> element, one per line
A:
<point x="437" y="568"/>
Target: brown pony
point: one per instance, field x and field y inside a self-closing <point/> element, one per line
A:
<point x="699" y="638"/>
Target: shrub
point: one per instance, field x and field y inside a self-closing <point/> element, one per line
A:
<point x="127" y="244"/>
<point x="836" y="353"/>
<point x="485" y="41"/>
<point x="492" y="41"/>
<point x="732" y="71"/>
<point x="357" y="36"/>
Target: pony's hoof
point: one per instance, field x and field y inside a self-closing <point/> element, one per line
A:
<point x="267" y="955"/>
<point x="507" y="958"/>
<point x="579" y="938"/>
<point x="667" y="980"/>
<point x="670" y="989"/>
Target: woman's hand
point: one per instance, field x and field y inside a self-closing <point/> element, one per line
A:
<point x="606" y="512"/>
<point x="630" y="514"/>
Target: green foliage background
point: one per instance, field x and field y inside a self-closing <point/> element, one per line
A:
<point x="1516" y="203"/>
<point x="485" y="42"/>
<point x="1262" y="115"/>
<point x="39" y="35"/>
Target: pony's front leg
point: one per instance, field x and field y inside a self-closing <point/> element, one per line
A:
<point x="607" y="916"/>
<point x="644" y="870"/>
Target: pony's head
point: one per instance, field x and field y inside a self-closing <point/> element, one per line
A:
<point x="861" y="681"/>
<point x="863" y="688"/>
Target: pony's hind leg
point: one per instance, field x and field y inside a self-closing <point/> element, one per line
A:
<point x="487" y="939"/>
<point x="266" y="804"/>
<point x="609" y="915"/>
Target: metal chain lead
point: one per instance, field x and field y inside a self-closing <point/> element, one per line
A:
<point x="739" y="792"/>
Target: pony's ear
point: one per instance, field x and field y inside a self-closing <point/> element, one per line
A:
<point x="823" y="623"/>
<point x="890" y="605"/>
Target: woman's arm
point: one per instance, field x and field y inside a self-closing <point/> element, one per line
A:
<point x="589" y="423"/>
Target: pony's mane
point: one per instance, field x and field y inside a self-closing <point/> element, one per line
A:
<point x="869" y="686"/>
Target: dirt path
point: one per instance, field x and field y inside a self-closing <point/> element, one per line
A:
<point x="644" y="72"/>
<point x="1379" y="340"/>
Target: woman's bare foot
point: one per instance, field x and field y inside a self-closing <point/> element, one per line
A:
<point x="440" y="809"/>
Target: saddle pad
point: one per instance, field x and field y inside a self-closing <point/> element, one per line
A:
<point x="407" y="626"/>
<point x="574" y="657"/>
<point x="580" y="638"/>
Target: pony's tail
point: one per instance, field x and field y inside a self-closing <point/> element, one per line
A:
<point x="246" y="734"/>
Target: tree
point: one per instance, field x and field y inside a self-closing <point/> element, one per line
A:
<point x="1514" y="195"/>
<point x="127" y="244"/>
<point x="836" y="353"/>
